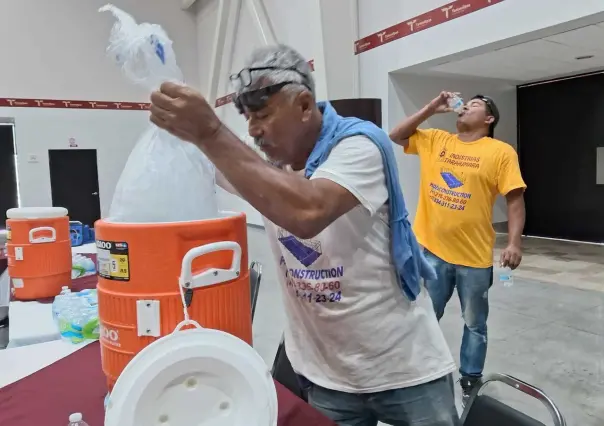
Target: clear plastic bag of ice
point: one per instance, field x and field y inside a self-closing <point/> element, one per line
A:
<point x="165" y="179"/>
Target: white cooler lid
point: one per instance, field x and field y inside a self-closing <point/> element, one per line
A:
<point x="194" y="377"/>
<point x="36" y="212"/>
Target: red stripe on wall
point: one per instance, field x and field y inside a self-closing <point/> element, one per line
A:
<point x="227" y="99"/>
<point x="70" y="104"/>
<point x="422" y="22"/>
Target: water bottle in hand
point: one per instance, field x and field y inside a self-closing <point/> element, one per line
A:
<point x="456" y="103"/>
<point x="505" y="276"/>
<point x="75" y="419"/>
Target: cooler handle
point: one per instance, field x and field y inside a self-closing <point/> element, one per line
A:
<point x="39" y="240"/>
<point x="213" y="275"/>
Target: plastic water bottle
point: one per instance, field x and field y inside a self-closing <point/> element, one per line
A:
<point x="78" y="320"/>
<point x="90" y="295"/>
<point x="455" y="103"/>
<point x="75" y="419"/>
<point x="60" y="301"/>
<point x="81" y="266"/>
<point x="505" y="275"/>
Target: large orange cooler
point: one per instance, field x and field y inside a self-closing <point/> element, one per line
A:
<point x="141" y="268"/>
<point x="38" y="247"/>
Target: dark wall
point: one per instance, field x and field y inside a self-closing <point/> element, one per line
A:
<point x="365" y="109"/>
<point x="8" y="181"/>
<point x="560" y="125"/>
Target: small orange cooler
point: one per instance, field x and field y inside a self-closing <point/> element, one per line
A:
<point x="38" y="248"/>
<point x="142" y="265"/>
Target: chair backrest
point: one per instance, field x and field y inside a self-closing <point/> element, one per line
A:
<point x="489" y="411"/>
<point x="284" y="373"/>
<point x="485" y="410"/>
<point x="255" y="278"/>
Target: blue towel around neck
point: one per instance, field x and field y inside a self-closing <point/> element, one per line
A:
<point x="408" y="259"/>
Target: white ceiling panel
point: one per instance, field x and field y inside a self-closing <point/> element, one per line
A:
<point x="539" y="59"/>
<point x="546" y="50"/>
<point x="589" y="38"/>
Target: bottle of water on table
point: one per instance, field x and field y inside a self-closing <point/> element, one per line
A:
<point x="76" y="419"/>
<point x="60" y="301"/>
<point x="78" y="320"/>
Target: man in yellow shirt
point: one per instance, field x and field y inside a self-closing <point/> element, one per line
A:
<point x="461" y="176"/>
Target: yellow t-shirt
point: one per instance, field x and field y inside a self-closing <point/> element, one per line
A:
<point x="459" y="183"/>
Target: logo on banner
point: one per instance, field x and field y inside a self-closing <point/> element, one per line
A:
<point x="458" y="10"/>
<point x="446" y="10"/>
<point x="416" y="24"/>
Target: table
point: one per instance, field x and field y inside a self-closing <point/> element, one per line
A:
<point x="65" y="378"/>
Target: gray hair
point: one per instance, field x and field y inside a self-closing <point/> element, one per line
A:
<point x="286" y="60"/>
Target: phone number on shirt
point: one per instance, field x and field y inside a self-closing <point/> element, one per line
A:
<point x="311" y="297"/>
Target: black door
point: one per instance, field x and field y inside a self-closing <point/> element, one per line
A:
<point x="364" y="108"/>
<point x="560" y="127"/>
<point x="74" y="182"/>
<point x="8" y="172"/>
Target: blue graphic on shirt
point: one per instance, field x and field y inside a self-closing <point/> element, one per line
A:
<point x="450" y="179"/>
<point x="305" y="251"/>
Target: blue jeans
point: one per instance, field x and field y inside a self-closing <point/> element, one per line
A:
<point x="430" y="404"/>
<point x="473" y="286"/>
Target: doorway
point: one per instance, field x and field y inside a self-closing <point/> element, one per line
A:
<point x="9" y="182"/>
<point x="74" y="183"/>
<point x="560" y="131"/>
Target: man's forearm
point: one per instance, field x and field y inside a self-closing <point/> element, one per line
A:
<point x="405" y="129"/>
<point x="222" y="182"/>
<point x="283" y="198"/>
<point x="516" y="218"/>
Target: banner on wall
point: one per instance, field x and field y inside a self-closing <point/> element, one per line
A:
<point x="71" y="104"/>
<point x="422" y="22"/>
<point x="227" y="99"/>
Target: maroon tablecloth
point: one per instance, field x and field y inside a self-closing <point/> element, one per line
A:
<point x="78" y="284"/>
<point x="76" y="384"/>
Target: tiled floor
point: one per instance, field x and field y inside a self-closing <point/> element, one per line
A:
<point x="568" y="264"/>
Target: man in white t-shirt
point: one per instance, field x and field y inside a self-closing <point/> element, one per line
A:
<point x="365" y="352"/>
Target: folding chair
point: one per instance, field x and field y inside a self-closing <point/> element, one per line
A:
<point x="484" y="410"/>
<point x="284" y="373"/>
<point x="255" y="277"/>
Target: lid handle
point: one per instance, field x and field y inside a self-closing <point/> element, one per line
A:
<point x="42" y="239"/>
<point x="213" y="275"/>
<point x="208" y="277"/>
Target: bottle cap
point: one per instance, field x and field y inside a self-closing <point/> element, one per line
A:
<point x="75" y="417"/>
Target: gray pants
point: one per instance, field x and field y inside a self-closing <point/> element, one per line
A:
<point x="430" y="404"/>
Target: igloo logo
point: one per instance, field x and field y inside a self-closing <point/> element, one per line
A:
<point x="110" y="336"/>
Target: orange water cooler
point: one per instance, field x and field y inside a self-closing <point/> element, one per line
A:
<point x="38" y="247"/>
<point x="142" y="267"/>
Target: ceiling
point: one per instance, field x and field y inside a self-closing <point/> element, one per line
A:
<point x="535" y="60"/>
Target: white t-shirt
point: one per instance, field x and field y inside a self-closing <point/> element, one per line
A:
<point x="350" y="328"/>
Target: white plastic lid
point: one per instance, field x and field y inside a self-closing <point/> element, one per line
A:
<point x="194" y="377"/>
<point x="36" y="212"/>
<point x="75" y="417"/>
